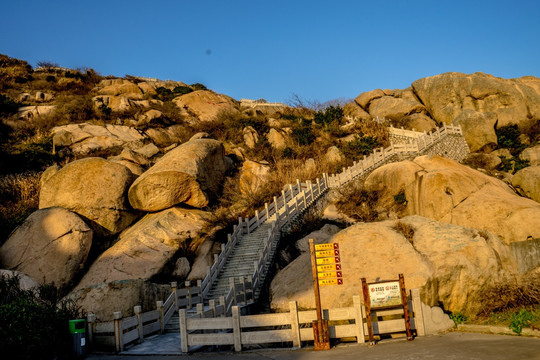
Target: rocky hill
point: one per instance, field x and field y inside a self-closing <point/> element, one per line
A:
<point x="110" y="186"/>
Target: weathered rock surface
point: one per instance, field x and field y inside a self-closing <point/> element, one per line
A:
<point x="191" y="174"/>
<point x="30" y="112"/>
<point x="50" y="246"/>
<point x="253" y="177"/>
<point x="145" y="248"/>
<point x="104" y="299"/>
<point x="251" y="137"/>
<point x="278" y="138"/>
<point x="394" y="108"/>
<point x="447" y="191"/>
<point x="181" y="268"/>
<point x="205" y="104"/>
<point x="94" y="188"/>
<point x="478" y="129"/>
<point x="449" y="263"/>
<point x="484" y="161"/>
<point x="532" y="155"/>
<point x="527" y="180"/>
<point x="25" y="281"/>
<point x="321" y="236"/>
<point x="334" y="155"/>
<point x="117" y="87"/>
<point x="512" y="100"/>
<point x="85" y="138"/>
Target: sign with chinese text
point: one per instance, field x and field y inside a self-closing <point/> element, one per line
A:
<point x="384" y="294"/>
<point x="328" y="264"/>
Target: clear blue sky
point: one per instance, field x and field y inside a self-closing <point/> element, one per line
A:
<point x="320" y="50"/>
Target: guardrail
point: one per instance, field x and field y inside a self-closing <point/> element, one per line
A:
<point x="418" y="143"/>
<point x="295" y="326"/>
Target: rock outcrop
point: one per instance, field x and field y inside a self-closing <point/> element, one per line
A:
<point x="205" y="105"/>
<point x="447" y="191"/>
<point x="94" y="188"/>
<point x="191" y="174"/>
<point x="104" y="299"/>
<point x="51" y="246"/>
<point x="145" y="248"/>
<point x="449" y="263"/>
<point x="527" y="181"/>
<point x="253" y="177"/>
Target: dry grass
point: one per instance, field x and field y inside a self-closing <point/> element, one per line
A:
<point x="406" y="230"/>
<point x="511" y="293"/>
<point x="357" y="202"/>
<point x="19" y="197"/>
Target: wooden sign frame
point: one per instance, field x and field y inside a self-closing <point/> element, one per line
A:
<point x="404" y="304"/>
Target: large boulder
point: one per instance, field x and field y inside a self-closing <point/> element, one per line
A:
<point x="447" y="191"/>
<point x="394" y="108"/>
<point x="204" y="104"/>
<point x="94" y="188"/>
<point x="278" y="138"/>
<point x="51" y="246"/>
<point x="144" y="249"/>
<point x="253" y="177"/>
<point x="105" y="299"/>
<point x="449" y="263"/>
<point x="478" y="129"/>
<point x="532" y="155"/>
<point x="191" y="174"/>
<point x="527" y="180"/>
<point x="365" y="98"/>
<point x="117" y="87"/>
<point x="84" y="138"/>
<point x="25" y="281"/>
<point x="512" y="100"/>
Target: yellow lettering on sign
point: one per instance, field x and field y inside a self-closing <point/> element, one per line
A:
<point x="324" y="282"/>
<point x="330" y="246"/>
<point x="328" y="260"/>
<point x="330" y="267"/>
<point x="324" y="253"/>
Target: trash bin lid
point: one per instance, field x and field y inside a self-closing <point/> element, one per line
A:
<point x="77" y="326"/>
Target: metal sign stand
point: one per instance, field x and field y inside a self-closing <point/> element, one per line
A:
<point x="320" y="326"/>
<point x="369" y="307"/>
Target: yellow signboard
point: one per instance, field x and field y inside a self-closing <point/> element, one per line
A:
<point x="331" y="246"/>
<point x="331" y="274"/>
<point x="329" y="267"/>
<point x="328" y="260"/>
<point x="326" y="253"/>
<point x="338" y="281"/>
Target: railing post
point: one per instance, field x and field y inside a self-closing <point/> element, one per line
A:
<point x="358" y="319"/>
<point x="212" y="305"/>
<point x="243" y="284"/>
<point x="188" y="296"/>
<point x="295" y="324"/>
<point x="233" y="286"/>
<point x="174" y="288"/>
<point x="91" y="318"/>
<point x="249" y="287"/>
<point x="240" y="224"/>
<point x="258" y="218"/>
<point x="247" y="225"/>
<point x="222" y="303"/>
<point x="200" y="310"/>
<point x="137" y="310"/>
<point x="276" y="207"/>
<point x="267" y="211"/>
<point x="117" y="318"/>
<point x="183" y="331"/>
<point x="159" y="307"/>
<point x="418" y="313"/>
<point x="237" y="336"/>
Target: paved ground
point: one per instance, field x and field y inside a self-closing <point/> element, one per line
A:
<point x="451" y="346"/>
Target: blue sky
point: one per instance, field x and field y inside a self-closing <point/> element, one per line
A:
<point x="320" y="50"/>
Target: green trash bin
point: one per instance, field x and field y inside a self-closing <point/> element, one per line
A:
<point x="77" y="329"/>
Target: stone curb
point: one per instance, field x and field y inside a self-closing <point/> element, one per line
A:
<point x="492" y="329"/>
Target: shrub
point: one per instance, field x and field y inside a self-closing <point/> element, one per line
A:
<point x="181" y="90"/>
<point x="303" y="135"/>
<point x="50" y="78"/>
<point x="329" y="115"/>
<point x="357" y="202"/>
<point x="7" y="106"/>
<point x="458" y="318"/>
<point x="400" y="198"/>
<point x="508" y="137"/>
<point x="512" y="164"/>
<point x="165" y="94"/>
<point x="361" y="145"/>
<point x="406" y="230"/>
<point x="511" y="293"/>
<point x="521" y="319"/>
<point x="198" y="86"/>
<point x="34" y="323"/>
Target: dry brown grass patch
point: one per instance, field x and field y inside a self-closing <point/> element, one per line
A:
<point x="511" y="293"/>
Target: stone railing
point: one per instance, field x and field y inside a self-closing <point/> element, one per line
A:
<point x="211" y="328"/>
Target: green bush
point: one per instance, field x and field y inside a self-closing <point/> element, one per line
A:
<point x="50" y="78"/>
<point x="521" y="319"/>
<point x="361" y="145"/>
<point x="514" y="163"/>
<point x="181" y="90"/>
<point x="458" y="318"/>
<point x="303" y="135"/>
<point x="34" y="323"/>
<point x="329" y="115"/>
<point x="7" y="105"/>
<point x="198" y="86"/>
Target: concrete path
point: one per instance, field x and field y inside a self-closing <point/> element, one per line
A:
<point x="451" y="346"/>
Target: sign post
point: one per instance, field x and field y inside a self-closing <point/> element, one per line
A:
<point x="384" y="295"/>
<point x="326" y="269"/>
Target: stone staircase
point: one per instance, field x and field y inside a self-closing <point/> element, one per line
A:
<point x="241" y="262"/>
